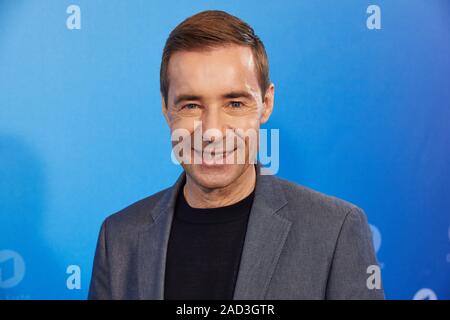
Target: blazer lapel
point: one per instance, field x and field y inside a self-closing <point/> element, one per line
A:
<point x="153" y="241"/>
<point x="265" y="238"/>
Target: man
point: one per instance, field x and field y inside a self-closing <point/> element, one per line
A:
<point x="224" y="230"/>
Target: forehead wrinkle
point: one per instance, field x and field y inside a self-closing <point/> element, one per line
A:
<point x="220" y="74"/>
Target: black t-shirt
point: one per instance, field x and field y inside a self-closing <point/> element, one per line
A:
<point x="204" y="250"/>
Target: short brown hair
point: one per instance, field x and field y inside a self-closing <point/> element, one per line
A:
<point x="211" y="29"/>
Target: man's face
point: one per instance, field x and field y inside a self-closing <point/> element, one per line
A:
<point x="217" y="88"/>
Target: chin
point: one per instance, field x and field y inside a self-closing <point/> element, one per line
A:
<point x="214" y="176"/>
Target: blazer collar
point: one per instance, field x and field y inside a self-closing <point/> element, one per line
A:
<point x="266" y="234"/>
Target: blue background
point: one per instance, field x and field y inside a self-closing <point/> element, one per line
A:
<point x="363" y="115"/>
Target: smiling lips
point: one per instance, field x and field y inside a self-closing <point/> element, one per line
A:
<point x="214" y="155"/>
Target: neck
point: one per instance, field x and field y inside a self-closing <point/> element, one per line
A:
<point x="200" y="197"/>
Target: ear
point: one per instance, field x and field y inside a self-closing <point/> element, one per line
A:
<point x="268" y="104"/>
<point x="165" y="110"/>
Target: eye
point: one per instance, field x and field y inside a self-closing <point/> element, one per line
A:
<point x="190" y="106"/>
<point x="236" y="104"/>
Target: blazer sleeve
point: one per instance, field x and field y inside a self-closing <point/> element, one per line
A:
<point x="354" y="261"/>
<point x="100" y="285"/>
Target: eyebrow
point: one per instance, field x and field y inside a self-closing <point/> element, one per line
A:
<point x="186" y="97"/>
<point x="229" y="95"/>
<point x="237" y="94"/>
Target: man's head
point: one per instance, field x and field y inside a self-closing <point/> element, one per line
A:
<point x="214" y="72"/>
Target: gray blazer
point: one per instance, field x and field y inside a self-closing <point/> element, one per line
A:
<point x="300" y="244"/>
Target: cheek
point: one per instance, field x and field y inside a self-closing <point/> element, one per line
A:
<point x="247" y="130"/>
<point x="250" y="121"/>
<point x="182" y="123"/>
<point x="181" y="131"/>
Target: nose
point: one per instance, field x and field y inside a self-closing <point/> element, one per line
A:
<point x="212" y="124"/>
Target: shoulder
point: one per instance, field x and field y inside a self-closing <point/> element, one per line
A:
<point x="320" y="212"/>
<point x="308" y="198"/>
<point x="135" y="216"/>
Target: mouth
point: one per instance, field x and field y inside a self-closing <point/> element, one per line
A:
<point x="216" y="157"/>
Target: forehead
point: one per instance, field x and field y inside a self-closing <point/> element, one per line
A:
<point x="212" y="71"/>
